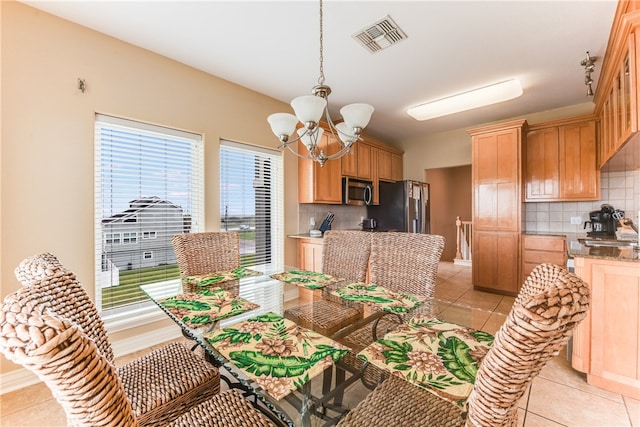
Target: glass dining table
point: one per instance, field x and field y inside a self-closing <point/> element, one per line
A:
<point x="300" y="376"/>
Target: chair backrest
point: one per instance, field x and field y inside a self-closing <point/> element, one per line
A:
<point x="406" y="262"/>
<point x="64" y="296"/>
<point x="549" y="306"/>
<point x="346" y="253"/>
<point x="202" y="253"/>
<point x="82" y="380"/>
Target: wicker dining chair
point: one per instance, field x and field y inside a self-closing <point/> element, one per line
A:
<point x="82" y="379"/>
<point x="206" y="252"/>
<point x="401" y="262"/>
<point x="160" y="385"/>
<point x="551" y="303"/>
<point x="345" y="254"/>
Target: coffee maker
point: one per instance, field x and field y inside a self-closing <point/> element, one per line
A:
<point x="602" y="222"/>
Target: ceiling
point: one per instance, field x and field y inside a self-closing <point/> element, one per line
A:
<point x="272" y="47"/>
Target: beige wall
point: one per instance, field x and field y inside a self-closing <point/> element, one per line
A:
<point x="47" y="158"/>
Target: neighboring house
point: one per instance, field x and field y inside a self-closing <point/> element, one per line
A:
<point x="141" y="235"/>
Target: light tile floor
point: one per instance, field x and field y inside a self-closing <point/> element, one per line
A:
<point x="559" y="396"/>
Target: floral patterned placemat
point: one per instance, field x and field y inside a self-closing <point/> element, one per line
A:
<point x="307" y="279"/>
<point x="218" y="277"/>
<point x="437" y="356"/>
<point x="277" y="354"/>
<point x="384" y="298"/>
<point x="206" y="306"/>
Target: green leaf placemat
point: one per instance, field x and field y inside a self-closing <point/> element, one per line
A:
<point x="386" y="299"/>
<point x="277" y="354"/>
<point x="437" y="356"/>
<point x="307" y="279"/>
<point x="218" y="277"/>
<point x="206" y="306"/>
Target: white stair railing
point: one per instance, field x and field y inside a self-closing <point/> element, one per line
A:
<point x="463" y="242"/>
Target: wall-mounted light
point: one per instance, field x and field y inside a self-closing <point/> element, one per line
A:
<point x="487" y="95"/>
<point x="588" y="64"/>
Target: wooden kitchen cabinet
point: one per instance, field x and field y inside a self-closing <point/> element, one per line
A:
<point x="617" y="99"/>
<point x="310" y="254"/>
<point x="496" y="172"/>
<point x="606" y="343"/>
<point x="320" y="184"/>
<point x="396" y="167"/>
<point x="357" y="163"/>
<point x="538" y="249"/>
<point x="385" y="165"/>
<point x="560" y="161"/>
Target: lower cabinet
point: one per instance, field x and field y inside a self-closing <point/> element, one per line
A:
<point x="495" y="261"/>
<point x="538" y="249"/>
<point x="310" y="254"/>
<point x="606" y="343"/>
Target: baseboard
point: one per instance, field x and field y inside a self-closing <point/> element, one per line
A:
<point x="20" y="378"/>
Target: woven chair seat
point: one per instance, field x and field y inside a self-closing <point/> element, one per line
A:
<point x="397" y="403"/>
<point x="227" y="409"/>
<point x="324" y="317"/>
<point x="167" y="381"/>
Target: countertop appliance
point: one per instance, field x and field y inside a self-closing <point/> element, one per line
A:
<point x="404" y="206"/>
<point x="602" y="222"/>
<point x="356" y="192"/>
<point x="369" y="224"/>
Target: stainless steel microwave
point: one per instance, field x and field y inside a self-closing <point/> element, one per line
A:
<point x="356" y="192"/>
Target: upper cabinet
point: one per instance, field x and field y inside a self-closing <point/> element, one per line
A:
<point x="357" y="163"/>
<point x="560" y="161"/>
<point x="369" y="160"/>
<point x="320" y="184"/>
<point x="617" y="99"/>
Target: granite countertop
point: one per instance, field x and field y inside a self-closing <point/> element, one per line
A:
<point x="303" y="236"/>
<point x="577" y="248"/>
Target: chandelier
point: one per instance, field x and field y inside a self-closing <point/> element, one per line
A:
<point x="309" y="110"/>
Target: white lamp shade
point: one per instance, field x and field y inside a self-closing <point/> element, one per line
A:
<point x="309" y="108"/>
<point x="282" y="124"/>
<point x="310" y="139"/>
<point x="345" y="133"/>
<point x="357" y="115"/>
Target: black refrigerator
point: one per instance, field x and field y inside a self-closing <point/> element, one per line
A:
<point x="404" y="206"/>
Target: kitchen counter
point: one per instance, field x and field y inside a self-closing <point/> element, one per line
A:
<point x="576" y="247"/>
<point x="304" y="236"/>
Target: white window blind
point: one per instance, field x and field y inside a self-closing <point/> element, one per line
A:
<point x="252" y="202"/>
<point x="148" y="187"/>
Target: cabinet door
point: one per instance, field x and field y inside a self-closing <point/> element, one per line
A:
<point x="350" y="162"/>
<point x="615" y="327"/>
<point x="310" y="255"/>
<point x="384" y="165"/>
<point x="396" y="167"/>
<point x="364" y="161"/>
<point x="541" y="165"/>
<point x="495" y="171"/>
<point x="495" y="261"/>
<point x="320" y="184"/>
<point x="579" y="177"/>
<point x="375" y="175"/>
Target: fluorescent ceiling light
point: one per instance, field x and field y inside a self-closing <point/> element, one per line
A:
<point x="487" y="95"/>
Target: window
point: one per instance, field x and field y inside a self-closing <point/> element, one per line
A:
<point x="148" y="187"/>
<point x="251" y="201"/>
<point x="148" y="234"/>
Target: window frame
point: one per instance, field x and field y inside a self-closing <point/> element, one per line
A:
<point x="139" y="313"/>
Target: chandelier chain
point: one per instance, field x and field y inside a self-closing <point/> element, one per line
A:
<point x="321" y="78"/>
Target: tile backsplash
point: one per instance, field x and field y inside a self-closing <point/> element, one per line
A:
<point x="620" y="189"/>
<point x="346" y="217"/>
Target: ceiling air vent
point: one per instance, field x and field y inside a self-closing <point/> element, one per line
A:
<point x="380" y="35"/>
